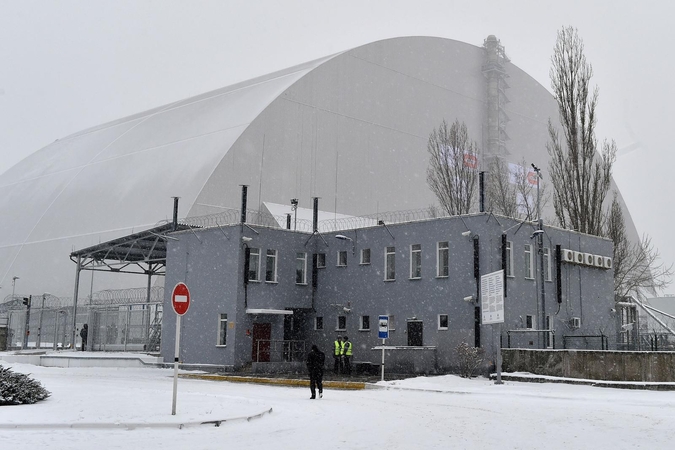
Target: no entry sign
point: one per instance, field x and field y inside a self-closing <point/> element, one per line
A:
<point x="180" y="298"/>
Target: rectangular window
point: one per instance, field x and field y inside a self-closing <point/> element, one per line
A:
<point x="342" y="259"/>
<point x="415" y="261"/>
<point x="254" y="265"/>
<point x="318" y="323"/>
<point x="442" y="321"/>
<point x="321" y="260"/>
<point x="301" y="268"/>
<point x="392" y="322"/>
<point x="389" y="263"/>
<point x="547" y="263"/>
<point x="529" y="322"/>
<point x="365" y="256"/>
<point x="222" y="330"/>
<point x="341" y="323"/>
<point x="365" y="323"/>
<point x="442" y="259"/>
<point x="529" y="267"/>
<point x="271" y="266"/>
<point x="509" y="259"/>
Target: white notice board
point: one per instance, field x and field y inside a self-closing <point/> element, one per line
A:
<point x="492" y="297"/>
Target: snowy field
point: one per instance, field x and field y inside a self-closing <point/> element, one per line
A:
<point x="116" y="408"/>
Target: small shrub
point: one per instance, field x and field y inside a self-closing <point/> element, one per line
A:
<point x="469" y="359"/>
<point x="18" y="388"/>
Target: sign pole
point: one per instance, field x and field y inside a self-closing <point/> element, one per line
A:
<point x="499" y="355"/>
<point x="175" y="365"/>
<point x="382" y="360"/>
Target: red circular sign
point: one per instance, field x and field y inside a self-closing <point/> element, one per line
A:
<point x="180" y="298"/>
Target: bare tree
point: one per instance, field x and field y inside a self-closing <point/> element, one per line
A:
<point x="580" y="175"/>
<point x="452" y="171"/>
<point x="637" y="266"/>
<point x="511" y="189"/>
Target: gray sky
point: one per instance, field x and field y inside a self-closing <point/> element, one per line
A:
<point x="67" y="65"/>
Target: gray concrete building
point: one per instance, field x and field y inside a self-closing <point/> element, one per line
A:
<point x="262" y="295"/>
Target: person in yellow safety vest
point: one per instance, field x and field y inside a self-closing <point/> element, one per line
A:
<point x="347" y="355"/>
<point x="337" y="355"/>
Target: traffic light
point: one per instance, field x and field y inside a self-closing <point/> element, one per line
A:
<point x="26" y="301"/>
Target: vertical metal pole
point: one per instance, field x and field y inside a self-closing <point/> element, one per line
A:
<point x="39" y="336"/>
<point x="147" y="313"/>
<point x="175" y="365"/>
<point x="56" y="328"/>
<point x="75" y="294"/>
<point x="499" y="354"/>
<point x="382" y="376"/>
<point x="26" y="330"/>
<point x="126" y="327"/>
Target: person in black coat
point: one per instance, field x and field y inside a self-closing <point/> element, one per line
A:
<point x="315" y="361"/>
<point x="84" y="332"/>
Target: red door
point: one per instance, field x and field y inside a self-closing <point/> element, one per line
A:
<point x="262" y="333"/>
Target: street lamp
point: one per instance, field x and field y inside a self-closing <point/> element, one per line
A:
<point x="539" y="234"/>
<point x="342" y="237"/>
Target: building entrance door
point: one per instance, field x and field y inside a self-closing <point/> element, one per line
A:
<point x="262" y="333"/>
<point x="415" y="337"/>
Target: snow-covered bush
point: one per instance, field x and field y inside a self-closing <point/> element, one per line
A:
<point x="469" y="359"/>
<point x="18" y="388"/>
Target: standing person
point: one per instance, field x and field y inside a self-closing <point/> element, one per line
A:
<point x="83" y="334"/>
<point x="315" y="361"/>
<point x="347" y="355"/>
<point x="337" y="355"/>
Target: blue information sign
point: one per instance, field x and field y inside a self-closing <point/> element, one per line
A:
<point x="383" y="327"/>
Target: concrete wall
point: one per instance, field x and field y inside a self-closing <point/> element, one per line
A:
<point x="593" y="365"/>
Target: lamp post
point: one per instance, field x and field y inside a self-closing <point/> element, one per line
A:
<point x="294" y="208"/>
<point x="342" y="237"/>
<point x="42" y="308"/>
<point x="540" y="251"/>
<point x="14" y="285"/>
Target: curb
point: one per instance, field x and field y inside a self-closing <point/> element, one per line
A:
<point x="344" y="385"/>
<point x="127" y="426"/>
<point x="646" y="386"/>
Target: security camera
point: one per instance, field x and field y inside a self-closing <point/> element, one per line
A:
<point x="246" y="239"/>
<point x="469" y="298"/>
<point x="345" y="309"/>
<point x="466" y="233"/>
<point x="612" y="310"/>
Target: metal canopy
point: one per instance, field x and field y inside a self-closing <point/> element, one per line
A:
<point x="141" y="253"/>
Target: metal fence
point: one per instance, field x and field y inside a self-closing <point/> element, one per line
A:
<point x="118" y="320"/>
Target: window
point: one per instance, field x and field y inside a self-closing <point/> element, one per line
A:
<point x="415" y="261"/>
<point x="547" y="263"/>
<point x="222" y="330"/>
<point x="529" y="267"/>
<point x="318" y="323"/>
<point x="341" y="323"/>
<point x="442" y="321"/>
<point x="365" y="323"/>
<point x="389" y="263"/>
<point x="301" y="268"/>
<point x="342" y="259"/>
<point x="321" y="260"/>
<point x="254" y="264"/>
<point x="271" y="266"/>
<point x="442" y="268"/>
<point x="509" y="259"/>
<point x="392" y="322"/>
<point x="529" y="322"/>
<point x="365" y="256"/>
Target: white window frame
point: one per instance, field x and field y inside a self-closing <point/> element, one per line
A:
<point x="442" y="253"/>
<point x="301" y="265"/>
<point x="415" y="261"/>
<point x="509" y="259"/>
<point x="337" y="323"/>
<point x="533" y="325"/>
<point x="254" y="252"/>
<point x="547" y="264"/>
<point x="318" y="319"/>
<point x="392" y="322"/>
<point x="529" y="261"/>
<point x="342" y="262"/>
<point x="387" y="254"/>
<point x="222" y="327"/>
<point x="271" y="255"/>
<point x="365" y="261"/>
<point x="320" y="260"/>
<point x="361" y="325"/>
<point x="447" y="321"/>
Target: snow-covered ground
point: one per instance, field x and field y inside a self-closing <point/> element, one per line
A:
<point x="130" y="408"/>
